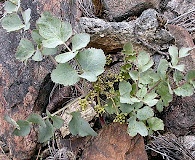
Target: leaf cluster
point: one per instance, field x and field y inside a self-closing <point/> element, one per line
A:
<point x="46" y="126"/>
<point x="12" y="21"/>
<point x="130" y="95"/>
<point x="141" y="88"/>
<point x="50" y="33"/>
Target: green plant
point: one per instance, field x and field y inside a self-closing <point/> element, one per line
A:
<point x="49" y="34"/>
<point x="141" y="89"/>
<point x="130" y="95"/>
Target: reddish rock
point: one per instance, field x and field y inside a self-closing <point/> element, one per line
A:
<point x="180" y="119"/>
<point x="113" y="143"/>
<point x="24" y="89"/>
<point x="121" y="9"/>
<point x="183" y="39"/>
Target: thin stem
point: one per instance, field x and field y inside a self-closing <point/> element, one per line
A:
<point x="53" y="60"/>
<point x="65" y="107"/>
<point x="79" y="89"/>
<point x="114" y="105"/>
<point x="98" y="99"/>
<point x="67" y="47"/>
<point x="157" y="83"/>
<point x="38" y="153"/>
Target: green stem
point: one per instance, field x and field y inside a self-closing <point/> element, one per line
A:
<point x="98" y="99"/>
<point x="114" y="105"/>
<point x="157" y="83"/>
<point x="67" y="47"/>
<point x="53" y="60"/>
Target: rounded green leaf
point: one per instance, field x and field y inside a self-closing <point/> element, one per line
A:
<point x="25" y="50"/>
<point x="183" y="52"/>
<point x="155" y="124"/>
<point x="92" y="62"/>
<point x="49" y="51"/>
<point x="144" y="61"/>
<point x="162" y="68"/>
<point x="49" y="26"/>
<point x="173" y="51"/>
<point x="45" y="133"/>
<point x="80" y="41"/>
<point x="141" y="92"/>
<point x="149" y="99"/>
<point x="124" y="90"/>
<point x="128" y="108"/>
<point x="65" y="57"/>
<point x="134" y="75"/>
<point x="145" y="113"/>
<point x="37" y="56"/>
<point x="147" y="66"/>
<point x="57" y="122"/>
<point x="190" y="76"/>
<point x="185" y="90"/>
<point x="24" y="128"/>
<point x="10" y="7"/>
<point x="52" y="42"/>
<point x="53" y="30"/>
<point x="37" y="37"/>
<point x="128" y="49"/>
<point x="64" y="74"/>
<point x="110" y="108"/>
<point x="148" y="77"/>
<point x="79" y="126"/>
<point x="26" y="17"/>
<point x="37" y="119"/>
<point x="160" y="105"/>
<point x="177" y="76"/>
<point x="135" y="127"/>
<point x="12" y="22"/>
<point x="163" y="91"/>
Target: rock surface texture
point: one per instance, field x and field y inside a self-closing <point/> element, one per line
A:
<point x="113" y="35"/>
<point x="23" y="88"/>
<point x="113" y="143"/>
<point x="118" y="10"/>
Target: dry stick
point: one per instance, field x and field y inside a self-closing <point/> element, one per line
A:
<point x="157" y="83"/>
<point x="163" y="154"/>
<point x="38" y="153"/>
<point x="179" y="17"/>
<point x="65" y="107"/>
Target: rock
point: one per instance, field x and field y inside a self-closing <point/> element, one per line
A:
<point x="113" y="142"/>
<point x="148" y="29"/>
<point x="108" y="36"/>
<point x="181" y="13"/>
<point x="24" y="89"/>
<point x="18" y="91"/>
<point x="183" y="39"/>
<point x="4" y="157"/>
<point x="111" y="36"/>
<point x="179" y="117"/>
<point x="118" y="10"/>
